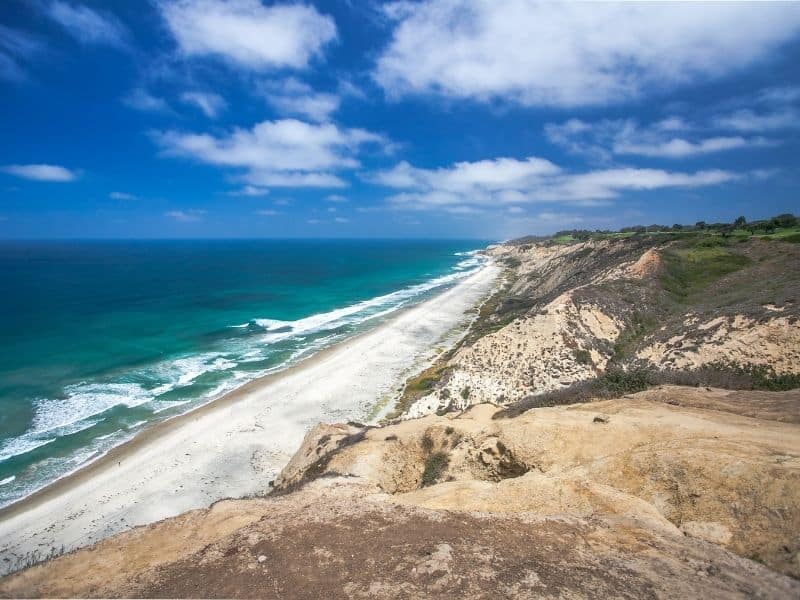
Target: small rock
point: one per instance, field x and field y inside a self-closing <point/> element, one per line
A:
<point x="262" y="558"/>
<point x="601" y="419"/>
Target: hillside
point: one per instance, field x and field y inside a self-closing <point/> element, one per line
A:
<point x="621" y="420"/>
<point x="619" y="315"/>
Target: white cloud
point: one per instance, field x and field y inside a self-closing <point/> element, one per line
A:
<point x="496" y="174"/>
<point x="679" y="148"/>
<point x="341" y="220"/>
<point x="268" y="212"/>
<point x="88" y="26"/>
<point x="121" y="196"/>
<point x="250" y="190"/>
<point x="605" y="138"/>
<point x="574" y="53"/>
<point x="507" y="182"/>
<point x="209" y="103"/>
<point x="750" y="120"/>
<point x="248" y="34"/>
<point x="40" y="172"/>
<point x="186" y="216"/>
<point x="292" y="97"/>
<point x="284" y="153"/>
<point x="141" y="99"/>
<point x="609" y="183"/>
<point x="336" y="198"/>
<point x="768" y="110"/>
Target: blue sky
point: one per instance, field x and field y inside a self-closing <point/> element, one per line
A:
<point x="437" y="118"/>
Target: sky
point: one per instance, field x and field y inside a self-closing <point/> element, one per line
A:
<point x="431" y="118"/>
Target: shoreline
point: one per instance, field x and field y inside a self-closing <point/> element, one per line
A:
<point x="107" y="495"/>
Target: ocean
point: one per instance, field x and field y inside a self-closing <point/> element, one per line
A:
<point x="102" y="338"/>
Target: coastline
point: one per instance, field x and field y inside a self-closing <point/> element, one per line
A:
<point x="185" y="462"/>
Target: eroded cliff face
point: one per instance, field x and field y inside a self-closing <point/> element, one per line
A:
<point x="569" y="313"/>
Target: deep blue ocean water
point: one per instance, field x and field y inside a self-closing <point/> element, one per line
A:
<point x="100" y="338"/>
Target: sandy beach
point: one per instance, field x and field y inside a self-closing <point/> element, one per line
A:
<point x="236" y="445"/>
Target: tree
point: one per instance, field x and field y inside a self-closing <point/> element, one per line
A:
<point x="785" y="220"/>
<point x="701" y="225"/>
<point x="739" y="223"/>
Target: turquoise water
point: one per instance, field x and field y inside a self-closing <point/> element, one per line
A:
<point x="101" y="338"/>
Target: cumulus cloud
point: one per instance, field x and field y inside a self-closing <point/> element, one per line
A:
<point x="574" y="53"/>
<point x="88" y="26"/>
<point x="283" y="153"/>
<point x="209" y="103"/>
<point x="189" y="215"/>
<point x="496" y="174"/>
<point x="248" y="34"/>
<point x="41" y="172"/>
<point x="121" y="196"/>
<point x="293" y="97"/>
<point x="605" y="138"/>
<point x="466" y="187"/>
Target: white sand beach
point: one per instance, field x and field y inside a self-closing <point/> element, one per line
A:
<point x="236" y="445"/>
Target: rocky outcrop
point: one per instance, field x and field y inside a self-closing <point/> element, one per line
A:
<point x="677" y="460"/>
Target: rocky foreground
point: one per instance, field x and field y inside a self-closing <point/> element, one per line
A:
<point x="536" y="468"/>
<point x="673" y="492"/>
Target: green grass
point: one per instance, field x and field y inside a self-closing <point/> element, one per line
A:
<point x="690" y="271"/>
<point x="786" y="234"/>
<point x="564" y="239"/>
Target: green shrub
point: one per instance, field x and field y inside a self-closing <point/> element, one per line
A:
<point x="617" y="382"/>
<point x="435" y="465"/>
<point x="465" y="392"/>
<point x="762" y="377"/>
<point x="583" y="357"/>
